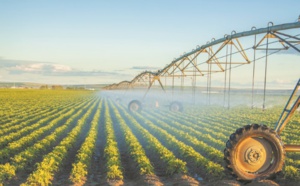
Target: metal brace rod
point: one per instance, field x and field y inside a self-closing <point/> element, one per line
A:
<point x="288" y="43"/>
<point x="287" y="113"/>
<point x="244" y="34"/>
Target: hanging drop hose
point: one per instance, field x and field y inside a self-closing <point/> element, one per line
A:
<point x="173" y="83"/>
<point x="266" y="67"/>
<point x="253" y="75"/>
<point x="230" y="61"/>
<point x="225" y="86"/>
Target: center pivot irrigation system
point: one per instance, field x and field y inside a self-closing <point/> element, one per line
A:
<point x="217" y="56"/>
<point x="253" y="151"/>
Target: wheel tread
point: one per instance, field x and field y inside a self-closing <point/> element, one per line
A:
<point x="246" y="131"/>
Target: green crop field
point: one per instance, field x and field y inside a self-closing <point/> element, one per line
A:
<point x="67" y="137"/>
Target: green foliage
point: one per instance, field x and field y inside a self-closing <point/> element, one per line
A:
<point x="7" y="171"/>
<point x="41" y="125"/>
<point x="292" y="173"/>
<point x="174" y="165"/>
<point x="111" y="151"/>
<point x="79" y="173"/>
<point x="134" y="147"/>
<point x="186" y="152"/>
<point x="83" y="158"/>
<point x="53" y="161"/>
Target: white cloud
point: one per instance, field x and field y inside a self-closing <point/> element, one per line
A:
<point x="41" y="68"/>
<point x="46" y="72"/>
<point x="144" y="68"/>
<point x="62" y="68"/>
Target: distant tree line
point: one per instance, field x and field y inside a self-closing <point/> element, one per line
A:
<point x="75" y="88"/>
<point x="53" y="87"/>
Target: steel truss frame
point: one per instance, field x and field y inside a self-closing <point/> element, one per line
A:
<point x="220" y="56"/>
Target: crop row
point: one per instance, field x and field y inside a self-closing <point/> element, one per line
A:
<point x="184" y="151"/>
<point x="53" y="161"/>
<point x="173" y="164"/>
<point x="64" y="136"/>
<point x="83" y="158"/>
<point x="28" y="119"/>
<point x="34" y="131"/>
<point x="19" y="104"/>
<point x="189" y="136"/>
<point x="111" y="151"/>
<point x="26" y="158"/>
<point x="134" y="147"/>
<point x="193" y="129"/>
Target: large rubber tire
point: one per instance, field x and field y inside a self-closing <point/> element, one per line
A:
<point x="254" y="152"/>
<point x="176" y="106"/>
<point x="135" y="106"/>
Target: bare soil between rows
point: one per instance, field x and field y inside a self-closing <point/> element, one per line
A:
<point x="184" y="180"/>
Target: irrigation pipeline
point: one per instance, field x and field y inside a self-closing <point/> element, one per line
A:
<point x="275" y="28"/>
<point x="215" y="49"/>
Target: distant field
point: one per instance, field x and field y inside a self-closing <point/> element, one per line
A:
<point x="66" y="137"/>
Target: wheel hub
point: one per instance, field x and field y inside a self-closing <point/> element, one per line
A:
<point x="175" y="107"/>
<point x="134" y="107"/>
<point x="253" y="155"/>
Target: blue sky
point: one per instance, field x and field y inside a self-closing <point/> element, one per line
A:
<point x="69" y="42"/>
